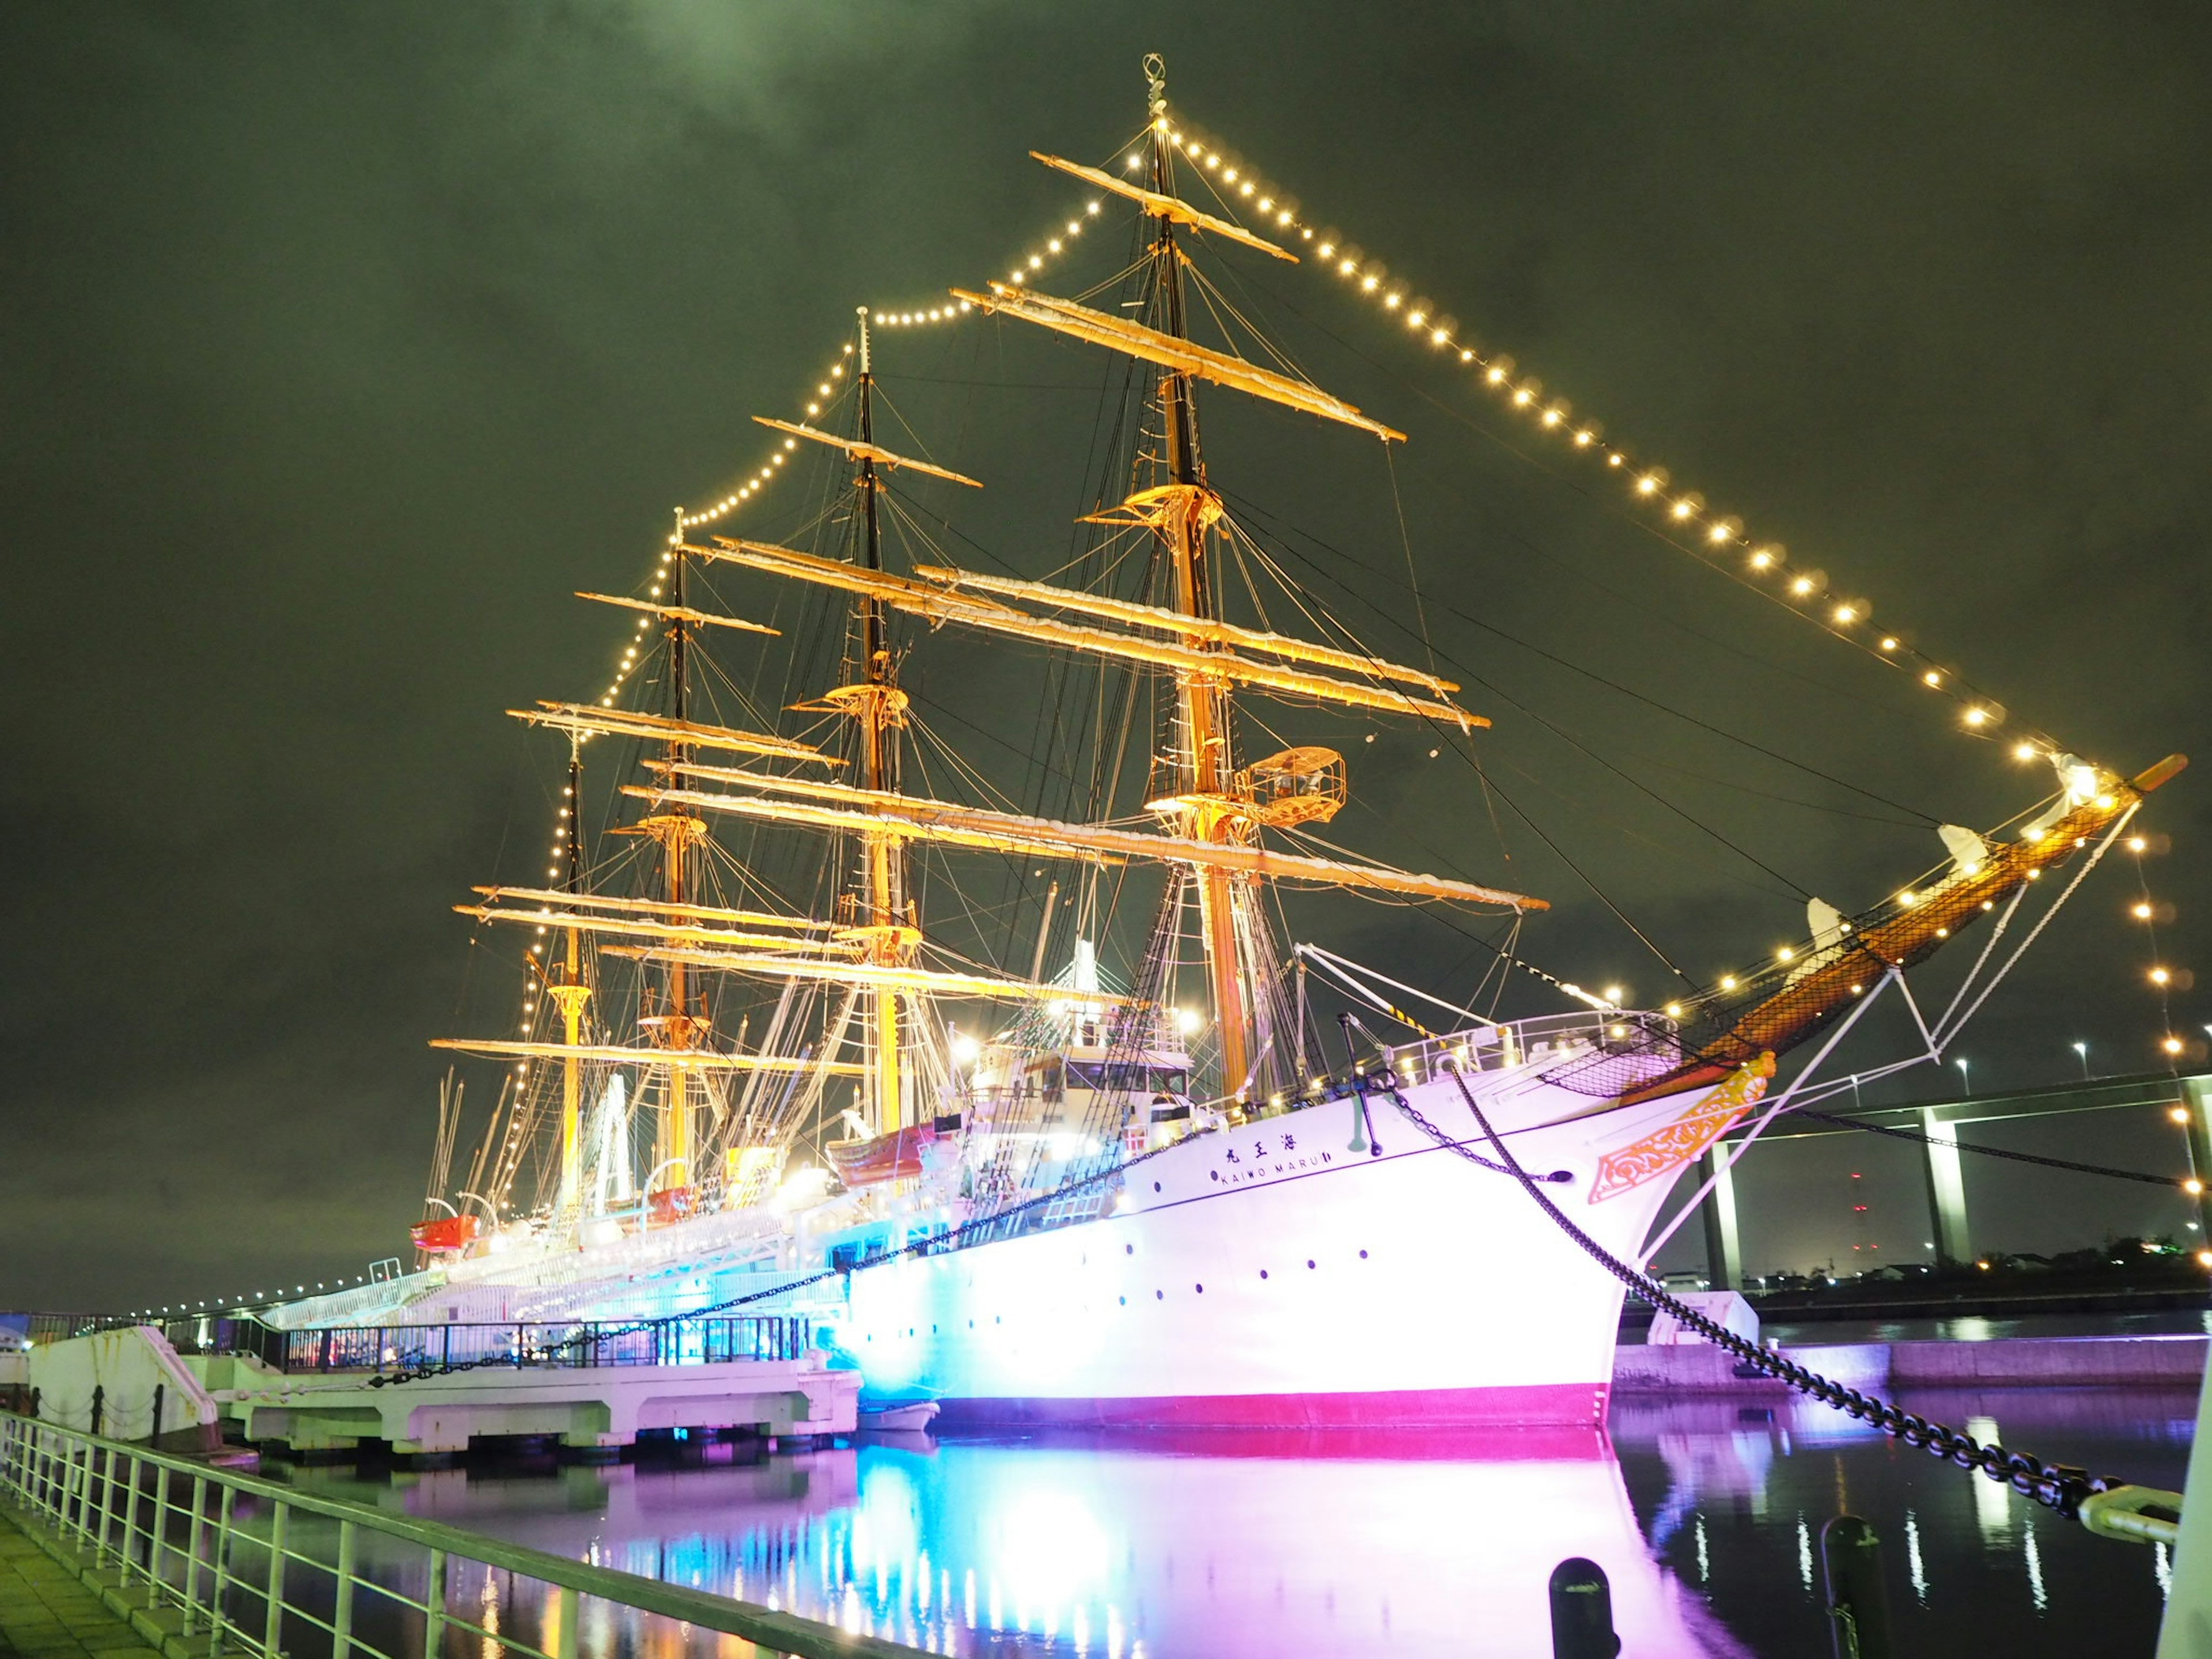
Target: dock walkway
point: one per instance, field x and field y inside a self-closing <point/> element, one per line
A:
<point x="47" y="1610"/>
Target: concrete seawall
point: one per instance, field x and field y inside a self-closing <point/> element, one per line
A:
<point x="2025" y="1362"/>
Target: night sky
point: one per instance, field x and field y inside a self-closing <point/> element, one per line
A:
<point x="342" y="342"/>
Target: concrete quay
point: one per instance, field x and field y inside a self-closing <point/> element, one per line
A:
<point x="2017" y="1362"/>
<point x="595" y="1409"/>
<point x="125" y="1376"/>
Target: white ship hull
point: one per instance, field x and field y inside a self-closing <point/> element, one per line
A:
<point x="1267" y="1275"/>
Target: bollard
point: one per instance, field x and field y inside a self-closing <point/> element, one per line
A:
<point x="1858" y="1608"/>
<point x="99" y="1405"/>
<point x="154" y="1434"/>
<point x="1582" y="1612"/>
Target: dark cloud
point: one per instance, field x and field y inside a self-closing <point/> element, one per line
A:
<point x="341" y="343"/>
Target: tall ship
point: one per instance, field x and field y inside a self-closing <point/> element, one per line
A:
<point x="1175" y="1162"/>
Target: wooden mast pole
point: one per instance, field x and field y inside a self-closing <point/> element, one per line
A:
<point x="1209" y="765"/>
<point x="571" y="993"/>
<point x="676" y="831"/>
<point x="879" y="706"/>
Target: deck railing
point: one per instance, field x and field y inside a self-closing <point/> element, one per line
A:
<point x="567" y="1344"/>
<point x="231" y="1563"/>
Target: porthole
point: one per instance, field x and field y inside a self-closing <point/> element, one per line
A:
<point x="1309" y="1264"/>
<point x="1128" y="1249"/>
<point x="1125" y="1301"/>
<point x="1201" y="1290"/>
<point x="1363" y="1255"/>
<point x="1263" y="1272"/>
<point x="1159" y="1295"/>
<point x="1156" y="1185"/>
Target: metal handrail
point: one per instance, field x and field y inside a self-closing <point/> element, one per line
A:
<point x="231" y="1577"/>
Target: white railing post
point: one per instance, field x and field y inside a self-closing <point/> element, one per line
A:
<point x="272" y="1629"/>
<point x="106" y="1456"/>
<point x="342" y="1615"/>
<point x="566" y="1605"/>
<point x="217" y="1623"/>
<point x="194" y="1530"/>
<point x="161" y="1531"/>
<point x="434" y="1606"/>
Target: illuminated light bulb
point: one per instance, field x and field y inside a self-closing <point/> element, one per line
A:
<point x="822" y="391"/>
<point x="1673" y="1011"/>
<point x="1648" y="484"/>
<point x="1908" y="897"/>
<point x="1931" y="678"/>
<point x="811" y="408"/>
<point x="1391" y="302"/>
<point x="1134" y="162"/>
<point x="1090" y="207"/>
<point x="1230" y="177"/>
<point x="1213" y="160"/>
<point x="1522" y="397"/>
<point x="1683" y="508"/>
<point x="1728" y="981"/>
<point x="1846" y="615"/>
<point x="1977" y="716"/>
<point x="1346" y="268"/>
<point x="1035" y="261"/>
<point x="2138" y="844"/>
<point x="1801" y="587"/>
<point x="2172" y="1046"/>
<point x="1326" y="250"/>
<point x="1370" y="282"/>
<point x="1551" y="417"/>
<point x="1616" y="461"/>
<point x="836" y="371"/>
<point x="1717" y="534"/>
<point x="1584" y="439"/>
<point x="1785" y="954"/>
<point x="1266" y="204"/>
<point x="1283" y="218"/>
<point x="2161" y="976"/>
<point x="1496" y="377"/>
<point x="1467" y="357"/>
<point x="1052" y="246"/>
<point x="2177" y="1114"/>
<point x="2140" y="912"/>
<point x="1416" y="317"/>
<point x="2106" y="803"/>
<point x="1943" y="932"/>
<point x="1438" y="336"/>
<point x="1616" y="994"/>
<point x="1247" y="186"/>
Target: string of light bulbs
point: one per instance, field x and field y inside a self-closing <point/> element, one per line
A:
<point x="1682" y="515"/>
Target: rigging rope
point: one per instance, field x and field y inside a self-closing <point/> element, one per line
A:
<point x="1988" y="1151"/>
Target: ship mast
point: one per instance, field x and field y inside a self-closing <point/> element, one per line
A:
<point x="1205" y="758"/>
<point x="675" y="1026"/>
<point x="886" y="931"/>
<point x="570" y="994"/>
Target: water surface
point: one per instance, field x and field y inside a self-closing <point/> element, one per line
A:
<point x="1704" y="1515"/>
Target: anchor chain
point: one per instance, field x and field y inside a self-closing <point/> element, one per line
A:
<point x="2059" y="1486"/>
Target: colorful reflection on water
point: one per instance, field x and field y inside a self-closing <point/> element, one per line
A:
<point x="1705" y="1515"/>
